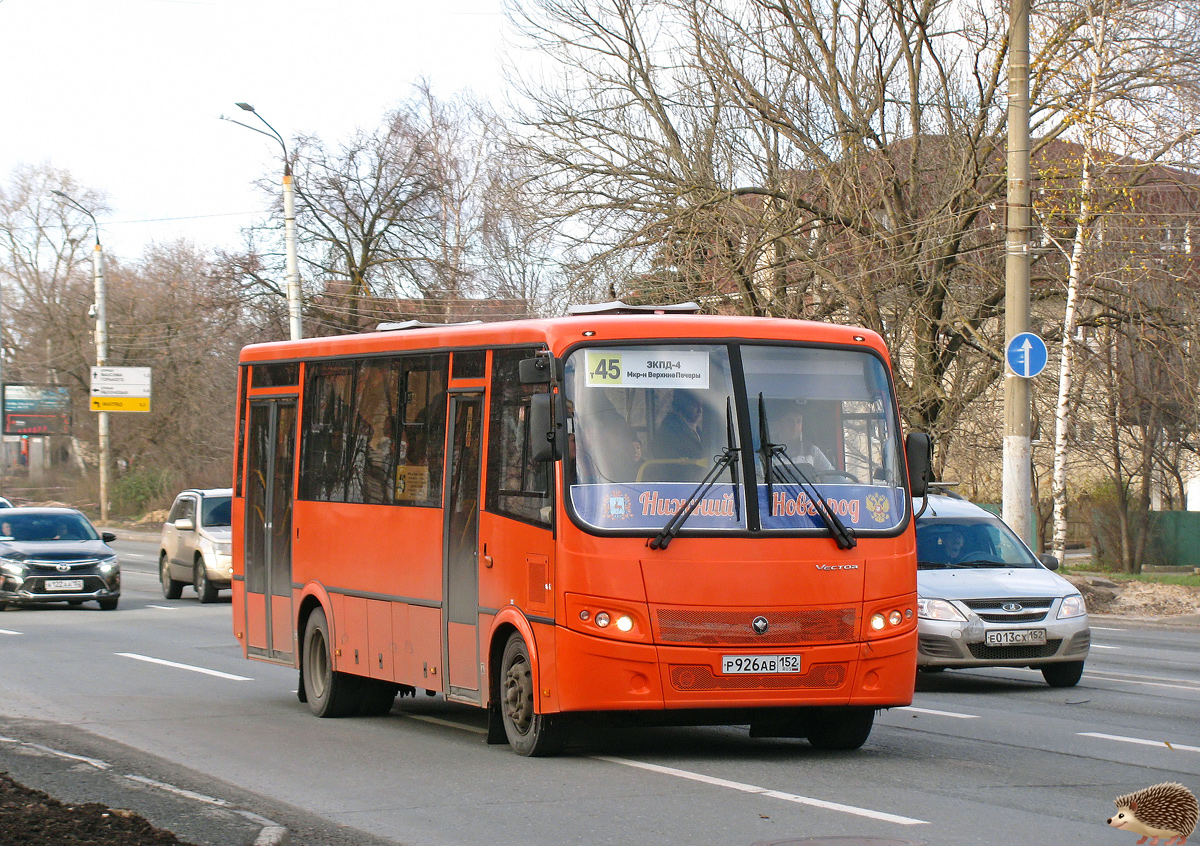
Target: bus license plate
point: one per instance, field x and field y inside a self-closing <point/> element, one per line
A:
<point x="64" y="584"/>
<point x="735" y="664"/>
<point x="1025" y="637"/>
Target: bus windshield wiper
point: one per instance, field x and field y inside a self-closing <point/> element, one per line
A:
<point x="789" y="471"/>
<point x="727" y="458"/>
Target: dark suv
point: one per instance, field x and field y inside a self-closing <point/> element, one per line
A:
<point x="56" y="555"/>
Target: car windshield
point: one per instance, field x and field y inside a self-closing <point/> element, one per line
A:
<point x="46" y="527"/>
<point x="215" y="511"/>
<point x="969" y="542"/>
<point x="646" y="422"/>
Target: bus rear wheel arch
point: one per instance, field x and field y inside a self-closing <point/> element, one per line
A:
<point x="529" y="733"/>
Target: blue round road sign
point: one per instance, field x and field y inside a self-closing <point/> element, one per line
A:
<point x="1026" y="355"/>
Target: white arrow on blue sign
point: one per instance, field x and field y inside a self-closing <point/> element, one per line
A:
<point x="1026" y="355"/>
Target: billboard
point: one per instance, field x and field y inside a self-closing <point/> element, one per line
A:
<point x="37" y="410"/>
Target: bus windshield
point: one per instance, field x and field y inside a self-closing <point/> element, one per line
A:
<point x="647" y="422"/>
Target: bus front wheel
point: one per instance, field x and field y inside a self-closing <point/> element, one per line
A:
<point x="840" y="728"/>
<point x="529" y="733"/>
<point x="329" y="693"/>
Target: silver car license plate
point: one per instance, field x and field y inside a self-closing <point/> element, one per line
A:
<point x="1022" y="637"/>
<point x="737" y="664"/>
<point x="64" y="584"/>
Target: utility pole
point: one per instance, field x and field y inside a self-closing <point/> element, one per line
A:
<point x="101" y="350"/>
<point x="1017" y="452"/>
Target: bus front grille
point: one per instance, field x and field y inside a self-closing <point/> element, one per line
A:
<point x="686" y="677"/>
<point x="736" y="628"/>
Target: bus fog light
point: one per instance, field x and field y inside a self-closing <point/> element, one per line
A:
<point x="895" y="618"/>
<point x="602" y="619"/>
<point x="624" y="623"/>
<point x="585" y="615"/>
<point x="908" y="613"/>
<point x="877" y="622"/>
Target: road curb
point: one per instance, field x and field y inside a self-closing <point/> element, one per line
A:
<point x="273" y="835"/>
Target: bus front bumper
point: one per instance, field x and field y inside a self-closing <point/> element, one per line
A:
<point x="597" y="674"/>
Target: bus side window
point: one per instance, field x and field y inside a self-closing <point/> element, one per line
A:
<point x="517" y="486"/>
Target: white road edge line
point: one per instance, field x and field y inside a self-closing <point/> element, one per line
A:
<point x="1105" y="629"/>
<point x="164" y="607"/>
<point x="100" y="765"/>
<point x="207" y="672"/>
<point x="1177" y="747"/>
<point x="954" y="714"/>
<point x="178" y="791"/>
<point x="1101" y="646"/>
<point x="10" y="632"/>
<point x="773" y="794"/>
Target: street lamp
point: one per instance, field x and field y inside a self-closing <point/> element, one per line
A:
<point x="101" y="348"/>
<point x="289" y="220"/>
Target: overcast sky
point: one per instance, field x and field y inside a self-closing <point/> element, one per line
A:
<point x="126" y="94"/>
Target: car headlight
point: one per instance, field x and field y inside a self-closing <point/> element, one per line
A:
<point x="938" y="609"/>
<point x="107" y="565"/>
<point x="223" y="548"/>
<point x="1072" y="606"/>
<point x="12" y="566"/>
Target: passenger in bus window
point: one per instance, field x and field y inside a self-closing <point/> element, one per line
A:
<point x="607" y="448"/>
<point x="800" y="450"/>
<point x="680" y="434"/>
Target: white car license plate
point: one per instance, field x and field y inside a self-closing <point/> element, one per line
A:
<point x="1024" y="637"/>
<point x="64" y="584"/>
<point x="735" y="664"/>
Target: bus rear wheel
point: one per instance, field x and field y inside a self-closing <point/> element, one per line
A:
<point x="329" y="693"/>
<point x="840" y="728"/>
<point x="529" y="733"/>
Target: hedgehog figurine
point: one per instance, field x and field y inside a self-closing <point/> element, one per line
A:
<point x="1164" y="810"/>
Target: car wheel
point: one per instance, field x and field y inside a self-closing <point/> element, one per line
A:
<point x="109" y="604"/>
<point x="529" y="733"/>
<point x="204" y="588"/>
<point x="841" y="728"/>
<point x="74" y="601"/>
<point x="171" y="588"/>
<point x="1066" y="674"/>
<point x="329" y="693"/>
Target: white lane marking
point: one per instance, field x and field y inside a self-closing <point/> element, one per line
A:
<point x="1102" y="646"/>
<point x="437" y="721"/>
<point x="773" y="794"/>
<point x="207" y="672"/>
<point x="10" y="632"/>
<point x="100" y="765"/>
<point x="954" y="714"/>
<point x="164" y="607"/>
<point x="1127" y="678"/>
<point x="178" y="791"/>
<point x="1105" y="629"/>
<point x="1177" y="747"/>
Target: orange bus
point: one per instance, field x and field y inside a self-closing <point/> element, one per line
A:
<point x="644" y="516"/>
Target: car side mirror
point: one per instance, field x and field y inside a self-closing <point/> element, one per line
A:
<point x="1049" y="561"/>
<point x="185" y="524"/>
<point x="107" y="537"/>
<point x="545" y="426"/>
<point x="918" y="455"/>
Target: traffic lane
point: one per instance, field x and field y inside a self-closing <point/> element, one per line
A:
<point x="378" y="774"/>
<point x="711" y="781"/>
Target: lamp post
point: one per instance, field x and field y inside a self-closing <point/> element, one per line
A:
<point x="101" y="349"/>
<point x="289" y="221"/>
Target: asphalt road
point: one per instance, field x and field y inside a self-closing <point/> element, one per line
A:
<point x="982" y="756"/>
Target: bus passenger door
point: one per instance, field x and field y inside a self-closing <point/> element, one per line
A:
<point x="268" y="530"/>
<point x="461" y="545"/>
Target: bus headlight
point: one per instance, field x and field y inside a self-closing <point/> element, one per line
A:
<point x="611" y="618"/>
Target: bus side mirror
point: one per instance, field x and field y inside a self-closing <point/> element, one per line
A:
<point x="544" y="428"/>
<point x="918" y="454"/>
<point x="540" y="371"/>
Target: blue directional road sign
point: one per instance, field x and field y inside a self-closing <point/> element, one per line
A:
<point x="1026" y="355"/>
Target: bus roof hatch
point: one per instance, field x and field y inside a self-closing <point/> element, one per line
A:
<point x="618" y="307"/>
